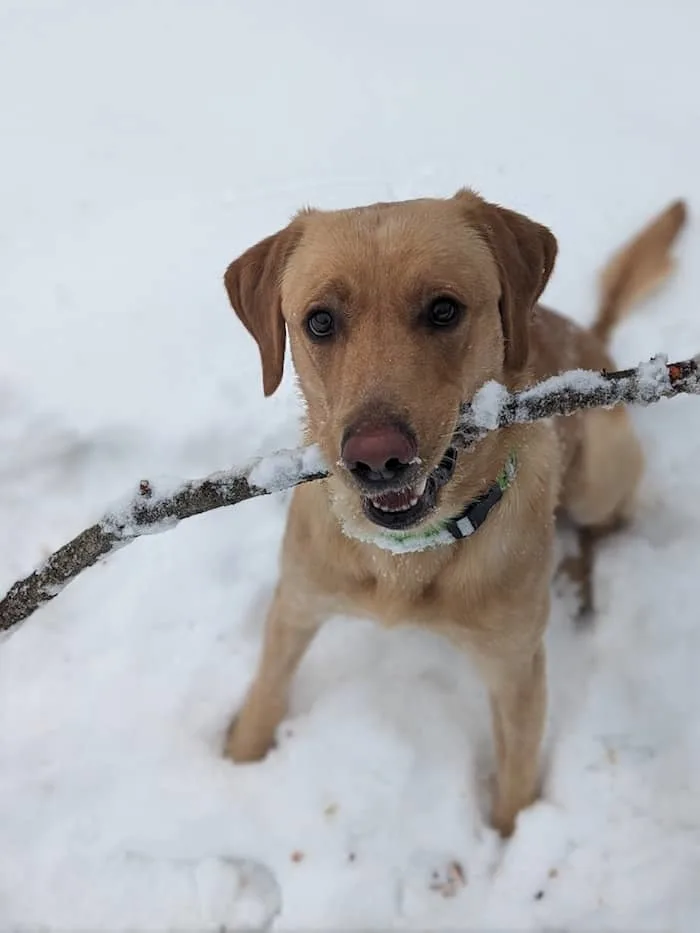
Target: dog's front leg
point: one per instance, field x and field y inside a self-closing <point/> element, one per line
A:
<point x="508" y="647"/>
<point x="518" y="693"/>
<point x="291" y="624"/>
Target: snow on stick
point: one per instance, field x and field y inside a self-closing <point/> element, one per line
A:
<point x="494" y="407"/>
<point x="152" y="509"/>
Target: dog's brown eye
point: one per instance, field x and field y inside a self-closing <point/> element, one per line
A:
<point x="443" y="312"/>
<point x="320" y="324"/>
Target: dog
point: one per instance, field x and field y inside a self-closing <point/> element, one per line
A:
<point x="397" y="313"/>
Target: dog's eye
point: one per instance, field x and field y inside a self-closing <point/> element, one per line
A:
<point x="443" y="312"/>
<point x="320" y="324"/>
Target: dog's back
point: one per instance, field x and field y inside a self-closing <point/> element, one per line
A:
<point x="602" y="459"/>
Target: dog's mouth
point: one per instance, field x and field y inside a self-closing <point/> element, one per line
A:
<point x="400" y="509"/>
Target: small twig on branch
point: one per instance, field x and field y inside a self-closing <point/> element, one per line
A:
<point x="153" y="509"/>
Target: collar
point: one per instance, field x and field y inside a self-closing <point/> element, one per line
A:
<point x="462" y="525"/>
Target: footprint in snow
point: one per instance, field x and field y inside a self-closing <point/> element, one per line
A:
<point x="430" y="875"/>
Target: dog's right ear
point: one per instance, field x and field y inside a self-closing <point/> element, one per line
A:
<point x="525" y="252"/>
<point x="253" y="283"/>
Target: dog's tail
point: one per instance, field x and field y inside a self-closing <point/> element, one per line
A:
<point x="637" y="268"/>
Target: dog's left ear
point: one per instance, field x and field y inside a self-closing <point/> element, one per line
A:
<point x="525" y="252"/>
<point x="253" y="283"/>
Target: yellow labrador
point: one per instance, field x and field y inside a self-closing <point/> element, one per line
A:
<point x="397" y="313"/>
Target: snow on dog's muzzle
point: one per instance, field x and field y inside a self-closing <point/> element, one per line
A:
<point x="402" y="508"/>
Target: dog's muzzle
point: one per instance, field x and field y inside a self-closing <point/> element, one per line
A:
<point x="404" y="507"/>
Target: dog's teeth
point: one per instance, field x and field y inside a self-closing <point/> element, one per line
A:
<point x="395" y="508"/>
<point x="411" y="499"/>
<point x="420" y="488"/>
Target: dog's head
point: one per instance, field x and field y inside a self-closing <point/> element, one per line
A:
<point x="396" y="314"/>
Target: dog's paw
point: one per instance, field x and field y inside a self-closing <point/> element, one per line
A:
<point x="506" y="810"/>
<point x="243" y="745"/>
<point x="503" y="822"/>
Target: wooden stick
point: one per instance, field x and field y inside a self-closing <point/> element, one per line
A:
<point x="152" y="510"/>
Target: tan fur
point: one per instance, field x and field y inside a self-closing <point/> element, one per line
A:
<point x="637" y="268"/>
<point x="376" y="267"/>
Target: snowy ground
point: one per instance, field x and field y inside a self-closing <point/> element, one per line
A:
<point x="146" y="143"/>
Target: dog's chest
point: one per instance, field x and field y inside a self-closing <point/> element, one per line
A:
<point x="404" y="589"/>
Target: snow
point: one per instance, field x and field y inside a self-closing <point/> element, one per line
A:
<point x="652" y="377"/>
<point x="396" y="543"/>
<point x="487" y="405"/>
<point x="144" y="146"/>
<point x="281" y="469"/>
<point x="575" y="380"/>
<point x="120" y="519"/>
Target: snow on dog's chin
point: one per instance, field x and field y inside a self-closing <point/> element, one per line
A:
<point x="346" y="504"/>
<point x="351" y="510"/>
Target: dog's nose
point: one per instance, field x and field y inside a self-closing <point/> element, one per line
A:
<point x="378" y="453"/>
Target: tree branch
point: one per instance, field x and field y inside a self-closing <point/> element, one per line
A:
<point x="152" y="509"/>
<point x="494" y="407"/>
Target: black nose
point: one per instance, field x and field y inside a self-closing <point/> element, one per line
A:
<point x="378" y="453"/>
